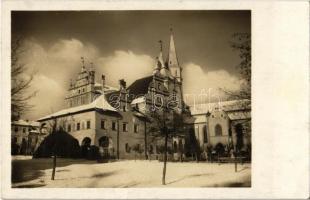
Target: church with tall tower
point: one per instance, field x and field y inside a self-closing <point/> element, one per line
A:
<point x="114" y="119"/>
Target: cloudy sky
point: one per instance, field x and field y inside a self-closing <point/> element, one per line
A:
<point x="124" y="44"/>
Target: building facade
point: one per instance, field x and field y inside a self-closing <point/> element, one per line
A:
<point x="25" y="137"/>
<point x="225" y="123"/>
<point x="115" y="119"/>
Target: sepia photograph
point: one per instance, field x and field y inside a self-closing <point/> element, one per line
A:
<point x="120" y="99"/>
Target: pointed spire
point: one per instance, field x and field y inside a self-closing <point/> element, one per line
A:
<point x="172" y="55"/>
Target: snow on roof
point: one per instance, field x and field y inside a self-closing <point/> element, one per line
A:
<point x="33" y="123"/>
<point x="34" y="131"/>
<point x="99" y="103"/>
<point x="239" y="115"/>
<point x="199" y="109"/>
<point x="98" y="84"/>
<point x="138" y="100"/>
<point x="22" y="122"/>
<point x="106" y="87"/>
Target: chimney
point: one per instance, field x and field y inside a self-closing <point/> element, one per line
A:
<point x="103" y="82"/>
<point x="122" y="84"/>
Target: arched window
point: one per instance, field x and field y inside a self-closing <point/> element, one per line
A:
<point x="127" y="148"/>
<point x="218" y="130"/>
<point x="175" y="147"/>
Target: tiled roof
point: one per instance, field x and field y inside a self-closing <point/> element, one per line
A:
<point x="140" y="86"/>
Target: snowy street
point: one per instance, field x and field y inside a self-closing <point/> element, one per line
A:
<point x="128" y="173"/>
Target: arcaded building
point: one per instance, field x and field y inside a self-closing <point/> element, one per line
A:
<point x="114" y="118"/>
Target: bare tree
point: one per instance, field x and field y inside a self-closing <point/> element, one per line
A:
<point x="57" y="127"/>
<point x="20" y="81"/>
<point x="165" y="124"/>
<point x="241" y="42"/>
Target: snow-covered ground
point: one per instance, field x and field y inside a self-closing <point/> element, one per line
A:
<point x="130" y="173"/>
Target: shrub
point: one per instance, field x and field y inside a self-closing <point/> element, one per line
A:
<point x="59" y="142"/>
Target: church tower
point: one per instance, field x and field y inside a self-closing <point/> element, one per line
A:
<point x="82" y="90"/>
<point x="172" y="60"/>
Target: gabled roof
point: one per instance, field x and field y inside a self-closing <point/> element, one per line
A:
<point x="140" y="86"/>
<point x="99" y="103"/>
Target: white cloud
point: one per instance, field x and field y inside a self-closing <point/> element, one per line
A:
<point x="197" y="82"/>
<point x="49" y="97"/>
<point x="56" y="65"/>
<point x="125" y="64"/>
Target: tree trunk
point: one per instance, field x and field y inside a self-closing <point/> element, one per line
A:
<point x="54" y="167"/>
<point x="117" y="150"/>
<point x="165" y="159"/>
<point x="145" y="141"/>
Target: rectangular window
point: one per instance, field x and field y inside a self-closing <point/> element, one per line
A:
<point x="69" y="128"/>
<point x="88" y="124"/>
<point x="136" y="128"/>
<point x="78" y="126"/>
<point x="125" y="127"/>
<point x="24" y="130"/>
<point x="113" y="126"/>
<point x="102" y="124"/>
<point x="16" y="128"/>
<point x="83" y="125"/>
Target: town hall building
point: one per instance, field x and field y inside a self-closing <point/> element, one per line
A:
<point x="115" y="119"/>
